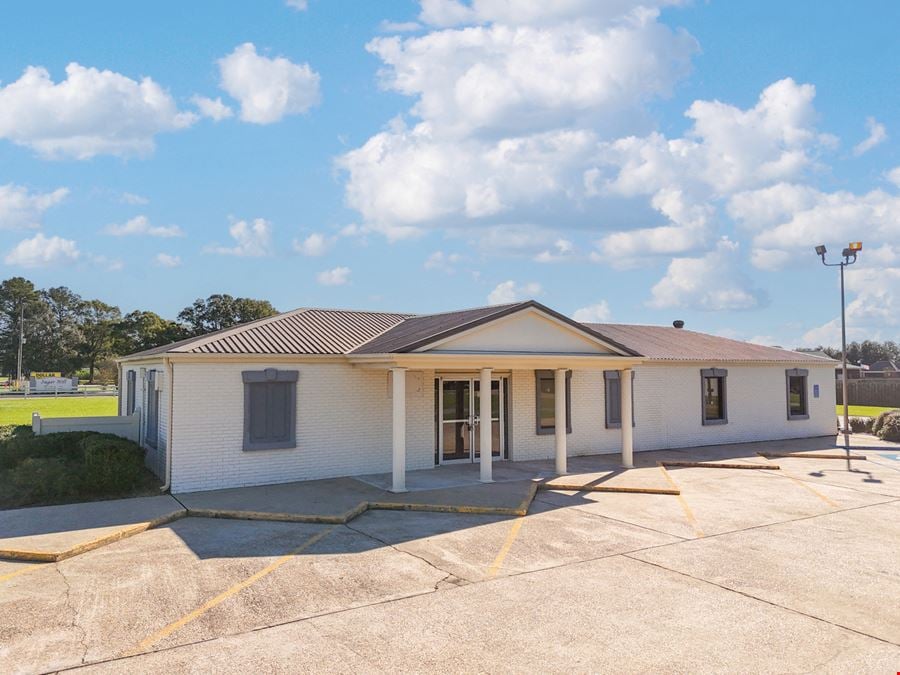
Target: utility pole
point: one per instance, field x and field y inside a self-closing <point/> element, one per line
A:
<point x="21" y="343"/>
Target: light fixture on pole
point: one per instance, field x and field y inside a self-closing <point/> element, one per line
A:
<point x="849" y="257"/>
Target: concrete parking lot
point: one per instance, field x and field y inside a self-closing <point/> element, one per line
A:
<point x="761" y="570"/>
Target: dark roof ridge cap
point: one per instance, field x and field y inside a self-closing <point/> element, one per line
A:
<point x="471" y="309"/>
<point x="501" y="310"/>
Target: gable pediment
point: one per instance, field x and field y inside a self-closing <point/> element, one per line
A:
<point x="529" y="331"/>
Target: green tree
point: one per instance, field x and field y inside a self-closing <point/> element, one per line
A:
<point x="97" y="321"/>
<point x="867" y="352"/>
<point x="223" y="311"/>
<point x="64" y="307"/>
<point x="140" y="330"/>
<point x="18" y="294"/>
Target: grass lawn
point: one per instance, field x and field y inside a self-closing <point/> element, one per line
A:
<point x="18" y="411"/>
<point x="859" y="410"/>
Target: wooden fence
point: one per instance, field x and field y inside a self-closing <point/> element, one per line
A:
<point x="882" y="392"/>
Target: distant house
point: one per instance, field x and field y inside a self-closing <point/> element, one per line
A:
<point x="319" y="393"/>
<point x="883" y="369"/>
<point x="855" y="371"/>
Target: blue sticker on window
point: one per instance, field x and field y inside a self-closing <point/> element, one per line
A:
<point x="815" y="391"/>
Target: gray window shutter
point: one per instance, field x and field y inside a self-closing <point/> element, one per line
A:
<point x="130" y="387"/>
<point x="270" y="409"/>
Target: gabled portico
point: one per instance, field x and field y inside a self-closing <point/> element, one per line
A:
<point x="480" y="357"/>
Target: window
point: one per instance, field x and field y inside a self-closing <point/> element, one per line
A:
<point x="613" y="386"/>
<point x="270" y="409"/>
<point x="797" y="399"/>
<point x="545" y="388"/>
<point x="152" y="437"/>
<point x="714" y="401"/>
<point x="130" y="386"/>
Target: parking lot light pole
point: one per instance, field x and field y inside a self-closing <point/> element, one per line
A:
<point x="848" y="256"/>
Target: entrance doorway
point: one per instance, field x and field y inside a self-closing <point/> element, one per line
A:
<point x="459" y="425"/>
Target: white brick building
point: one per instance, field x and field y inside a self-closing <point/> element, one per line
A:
<point x="322" y="393"/>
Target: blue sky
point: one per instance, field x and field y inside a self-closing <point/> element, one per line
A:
<point x="653" y="161"/>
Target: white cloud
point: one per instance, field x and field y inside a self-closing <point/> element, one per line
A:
<point x="894" y="176"/>
<point x="832" y="218"/>
<point x="512" y="78"/>
<point x="877" y="136"/>
<point x="133" y="199"/>
<point x="593" y="313"/>
<point x="268" y="89"/>
<point x="91" y="112"/>
<point x="562" y="250"/>
<point x="41" y="251"/>
<point x="873" y="310"/>
<point x="339" y="276"/>
<point x="453" y="12"/>
<point x="711" y="282"/>
<point x="22" y="209"/>
<point x="214" y="109"/>
<point x="726" y="150"/>
<point x="509" y="110"/>
<point x="252" y="240"/>
<point x="314" y="245"/>
<point x="299" y="5"/>
<point x="509" y="291"/>
<point x="167" y="260"/>
<point x="140" y="225"/>
<point x="443" y="262"/>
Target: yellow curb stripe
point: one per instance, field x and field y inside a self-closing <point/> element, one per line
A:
<point x="124" y="533"/>
<point x="12" y="575"/>
<point x="222" y="597"/>
<point x="689" y="515"/>
<point x="719" y="465"/>
<point x="446" y="508"/>
<point x="808" y="455"/>
<point x="504" y="550"/>
<point x="228" y="514"/>
<point x="575" y="487"/>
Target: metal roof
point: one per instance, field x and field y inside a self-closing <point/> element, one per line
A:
<point x="302" y="331"/>
<point x="679" y="344"/>
<point x="344" y="332"/>
<point x="419" y="331"/>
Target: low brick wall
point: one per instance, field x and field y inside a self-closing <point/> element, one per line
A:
<point x="126" y="426"/>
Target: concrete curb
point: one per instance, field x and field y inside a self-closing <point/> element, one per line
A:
<point x="808" y="455"/>
<point x="229" y="514"/>
<point x="56" y="556"/>
<point x="574" y="487"/>
<point x="720" y="465"/>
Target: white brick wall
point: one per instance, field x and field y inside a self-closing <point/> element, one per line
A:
<point x="667" y="410"/>
<point x="343" y="426"/>
<point x="344" y="419"/>
<point x="155" y="458"/>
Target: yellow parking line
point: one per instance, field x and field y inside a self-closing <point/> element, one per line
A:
<point x="802" y="483"/>
<point x="692" y="521"/>
<point x="24" y="570"/>
<point x="222" y="597"/>
<point x="504" y="550"/>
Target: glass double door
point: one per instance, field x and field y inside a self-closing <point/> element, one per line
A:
<point x="460" y="424"/>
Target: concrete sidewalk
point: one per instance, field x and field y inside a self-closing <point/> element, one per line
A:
<point x="52" y="533"/>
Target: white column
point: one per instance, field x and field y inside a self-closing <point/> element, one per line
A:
<point x="559" y="399"/>
<point x="398" y="392"/>
<point x="486" y="427"/>
<point x="627" y="417"/>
